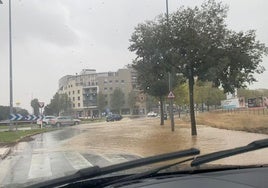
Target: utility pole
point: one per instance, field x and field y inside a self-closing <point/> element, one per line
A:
<point x="170" y="82"/>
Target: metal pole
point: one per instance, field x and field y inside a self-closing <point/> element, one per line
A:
<point x="10" y="64"/>
<point x="170" y="83"/>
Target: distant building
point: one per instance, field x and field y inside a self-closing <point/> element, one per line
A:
<point x="83" y="90"/>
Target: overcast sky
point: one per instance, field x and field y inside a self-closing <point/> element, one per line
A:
<point x="53" y="38"/>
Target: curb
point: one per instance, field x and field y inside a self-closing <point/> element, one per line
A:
<point x="5" y="153"/>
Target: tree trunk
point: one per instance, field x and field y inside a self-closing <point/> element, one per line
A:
<point x="191" y="95"/>
<point x="207" y="107"/>
<point x="161" y="111"/>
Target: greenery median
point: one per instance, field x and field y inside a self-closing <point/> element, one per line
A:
<point x="9" y="137"/>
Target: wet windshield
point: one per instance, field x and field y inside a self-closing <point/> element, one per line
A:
<point x="97" y="83"/>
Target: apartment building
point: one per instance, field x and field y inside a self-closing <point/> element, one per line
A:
<point x="83" y="90"/>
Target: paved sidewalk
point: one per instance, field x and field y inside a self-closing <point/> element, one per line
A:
<point x="4" y="151"/>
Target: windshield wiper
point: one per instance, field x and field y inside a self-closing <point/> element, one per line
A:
<point x="146" y="174"/>
<point x="196" y="161"/>
<point x="259" y="144"/>
<point x="97" y="171"/>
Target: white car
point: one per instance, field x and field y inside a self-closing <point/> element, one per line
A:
<point x="152" y="114"/>
<point x="46" y="119"/>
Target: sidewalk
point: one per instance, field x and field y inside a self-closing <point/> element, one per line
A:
<point x="4" y="151"/>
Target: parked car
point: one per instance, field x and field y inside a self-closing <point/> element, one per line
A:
<point x="113" y="117"/>
<point x="64" y="120"/>
<point x="46" y="119"/>
<point x="152" y="114"/>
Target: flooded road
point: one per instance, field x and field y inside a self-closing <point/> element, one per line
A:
<point x="145" y="137"/>
<point x="62" y="152"/>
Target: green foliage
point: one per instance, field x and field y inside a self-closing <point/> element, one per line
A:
<point x="60" y="103"/>
<point x="35" y="106"/>
<point x="4" y="112"/>
<point x="15" y="136"/>
<point x="101" y="101"/>
<point x="247" y="93"/>
<point x="181" y="92"/>
<point x="205" y="93"/>
<point x="197" y="44"/>
<point x="151" y="102"/>
<point x="117" y="100"/>
<point x="132" y="98"/>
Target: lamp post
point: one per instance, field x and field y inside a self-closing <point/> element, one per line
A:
<point x="170" y="82"/>
<point x="10" y="65"/>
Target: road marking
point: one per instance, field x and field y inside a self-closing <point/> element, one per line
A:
<point x="77" y="160"/>
<point x="40" y="166"/>
<point x="115" y="158"/>
<point x="5" y="167"/>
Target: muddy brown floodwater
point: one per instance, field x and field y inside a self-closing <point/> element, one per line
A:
<point x="145" y="137"/>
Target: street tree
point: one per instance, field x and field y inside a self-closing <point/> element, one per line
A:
<point x="149" y="42"/>
<point x="35" y="106"/>
<point x="117" y="100"/>
<point x="132" y="100"/>
<point x="205" y="49"/>
<point x="205" y="93"/>
<point x="60" y="103"/>
<point x="5" y="110"/>
<point x="101" y="101"/>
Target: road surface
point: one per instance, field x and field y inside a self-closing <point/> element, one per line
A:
<point x="62" y="152"/>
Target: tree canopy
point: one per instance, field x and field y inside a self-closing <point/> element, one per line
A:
<point x="59" y="103"/>
<point x="117" y="100"/>
<point x="196" y="43"/>
<point x="35" y="106"/>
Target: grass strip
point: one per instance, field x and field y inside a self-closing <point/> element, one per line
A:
<point x="15" y="136"/>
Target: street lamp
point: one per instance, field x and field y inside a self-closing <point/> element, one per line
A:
<point x="10" y="64"/>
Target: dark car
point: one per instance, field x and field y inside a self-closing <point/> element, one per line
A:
<point x="113" y="117"/>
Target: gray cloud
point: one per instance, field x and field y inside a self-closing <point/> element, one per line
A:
<point x="43" y="20"/>
<point x="52" y="38"/>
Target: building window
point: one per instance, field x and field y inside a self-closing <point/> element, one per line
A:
<point x="116" y="81"/>
<point x="111" y="81"/>
<point x="78" y="98"/>
<point x="73" y="105"/>
<point x="122" y="81"/>
<point x="73" y="92"/>
<point x="69" y="93"/>
<point x="111" y="88"/>
<point x="78" y="91"/>
<point x="73" y="99"/>
<point x="78" y="104"/>
<point x="105" y="89"/>
<point x="105" y="96"/>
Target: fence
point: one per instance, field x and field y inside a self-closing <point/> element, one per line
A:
<point x="251" y="111"/>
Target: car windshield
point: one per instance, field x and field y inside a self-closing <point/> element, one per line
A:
<point x="98" y="83"/>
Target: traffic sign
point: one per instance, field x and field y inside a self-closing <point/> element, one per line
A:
<point x="40" y="117"/>
<point x="32" y="117"/>
<point x="41" y="104"/>
<point x="14" y="117"/>
<point x="171" y="95"/>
